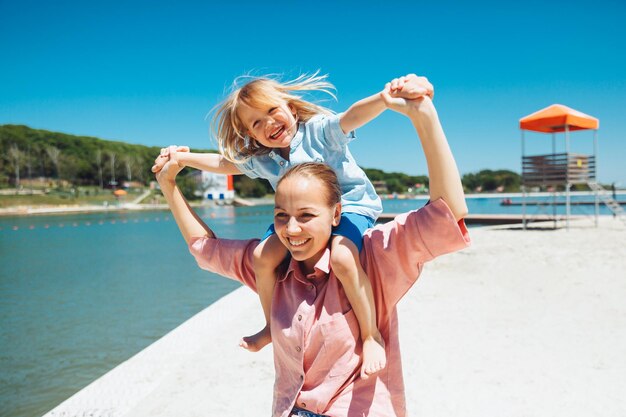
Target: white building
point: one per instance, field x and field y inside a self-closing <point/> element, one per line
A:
<point x="214" y="187"/>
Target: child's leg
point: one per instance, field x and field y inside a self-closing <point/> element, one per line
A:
<point x="267" y="256"/>
<point x="345" y="262"/>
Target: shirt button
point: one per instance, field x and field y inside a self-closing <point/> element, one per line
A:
<point x="271" y="154"/>
<point x="298" y="348"/>
<point x="310" y="288"/>
<point x="299" y="317"/>
<point x="304" y="405"/>
<point x="282" y="163"/>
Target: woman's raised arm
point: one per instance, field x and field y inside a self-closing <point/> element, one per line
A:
<point x="444" y="178"/>
<point x="188" y="221"/>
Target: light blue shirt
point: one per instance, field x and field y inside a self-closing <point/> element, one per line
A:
<point x="322" y="140"/>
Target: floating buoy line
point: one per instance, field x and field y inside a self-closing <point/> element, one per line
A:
<point x="85" y="223"/>
<point x="156" y="219"/>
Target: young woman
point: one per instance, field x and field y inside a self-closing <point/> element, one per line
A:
<point x="317" y="346"/>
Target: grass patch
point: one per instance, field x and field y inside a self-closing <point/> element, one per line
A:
<point x="79" y="196"/>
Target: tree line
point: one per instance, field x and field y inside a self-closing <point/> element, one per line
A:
<point x="82" y="160"/>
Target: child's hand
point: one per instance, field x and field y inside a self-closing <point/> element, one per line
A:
<point x="410" y="87"/>
<point x="168" y="154"/>
<point x="418" y="89"/>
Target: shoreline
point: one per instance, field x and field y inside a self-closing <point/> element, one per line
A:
<point x="504" y="327"/>
<point x="24" y="211"/>
<point x="20" y="211"/>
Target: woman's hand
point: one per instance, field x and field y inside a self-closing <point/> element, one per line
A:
<point x="166" y="168"/>
<point x="409" y="107"/>
<point x="410" y="87"/>
<point x="445" y="181"/>
<point x="168" y="172"/>
<point x="409" y="95"/>
<point x="167" y="154"/>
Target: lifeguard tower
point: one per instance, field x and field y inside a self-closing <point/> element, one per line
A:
<point x="562" y="169"/>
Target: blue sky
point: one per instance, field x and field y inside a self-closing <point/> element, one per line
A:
<point x="148" y="72"/>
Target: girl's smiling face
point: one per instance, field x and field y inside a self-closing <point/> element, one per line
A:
<point x="303" y="220"/>
<point x="272" y="127"/>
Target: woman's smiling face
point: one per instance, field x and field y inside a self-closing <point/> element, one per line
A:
<point x="303" y="219"/>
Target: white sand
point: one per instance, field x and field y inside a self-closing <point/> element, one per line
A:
<point x="520" y="324"/>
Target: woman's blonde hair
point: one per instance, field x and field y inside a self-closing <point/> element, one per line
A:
<point x="322" y="172"/>
<point x="261" y="92"/>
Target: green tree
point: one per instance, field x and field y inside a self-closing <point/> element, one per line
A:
<point x="248" y="187"/>
<point x="488" y="180"/>
<point x="79" y="151"/>
<point x="394" y="185"/>
<point x="187" y="185"/>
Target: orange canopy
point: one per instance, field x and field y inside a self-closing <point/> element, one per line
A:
<point x="554" y="118"/>
<point x="119" y="192"/>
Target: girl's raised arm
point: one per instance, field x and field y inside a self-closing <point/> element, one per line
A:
<point x="444" y="178"/>
<point x="211" y="162"/>
<point x="188" y="221"/>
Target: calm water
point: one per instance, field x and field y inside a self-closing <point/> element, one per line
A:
<point x="491" y="205"/>
<point x="79" y="294"/>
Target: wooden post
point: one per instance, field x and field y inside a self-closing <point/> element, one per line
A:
<point x="554" y="186"/>
<point x="595" y="174"/>
<point x="523" y="186"/>
<point x="567" y="184"/>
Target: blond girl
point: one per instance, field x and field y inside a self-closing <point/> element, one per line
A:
<point x="263" y="128"/>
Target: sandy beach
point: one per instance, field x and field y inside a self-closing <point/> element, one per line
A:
<point x="523" y="323"/>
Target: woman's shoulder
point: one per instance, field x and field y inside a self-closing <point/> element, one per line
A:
<point x="431" y="230"/>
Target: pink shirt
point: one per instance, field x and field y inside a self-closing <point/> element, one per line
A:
<point x="315" y="333"/>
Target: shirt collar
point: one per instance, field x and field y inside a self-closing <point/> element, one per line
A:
<point x="297" y="138"/>
<point x="322" y="267"/>
<point x="295" y="142"/>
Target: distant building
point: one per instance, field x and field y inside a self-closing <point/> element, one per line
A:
<point x="214" y="187"/>
<point x="418" y="188"/>
<point x="380" y="187"/>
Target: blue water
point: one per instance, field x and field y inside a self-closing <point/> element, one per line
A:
<point x="80" y="294"/>
<point x="89" y="291"/>
<point x="491" y="205"/>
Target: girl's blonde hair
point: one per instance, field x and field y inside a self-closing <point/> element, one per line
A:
<point x="262" y="92"/>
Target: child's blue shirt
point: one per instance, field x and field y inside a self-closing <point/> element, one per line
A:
<point x="322" y="140"/>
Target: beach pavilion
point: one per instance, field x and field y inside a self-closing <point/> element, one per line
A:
<point x="560" y="169"/>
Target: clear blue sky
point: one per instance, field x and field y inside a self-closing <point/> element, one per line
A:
<point x="148" y="72"/>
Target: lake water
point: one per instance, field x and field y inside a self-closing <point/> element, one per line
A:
<point x="80" y="294"/>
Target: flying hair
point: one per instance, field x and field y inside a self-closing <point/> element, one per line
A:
<point x="262" y="92"/>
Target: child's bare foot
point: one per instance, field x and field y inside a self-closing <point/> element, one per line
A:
<point x="257" y="341"/>
<point x="374" y="357"/>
